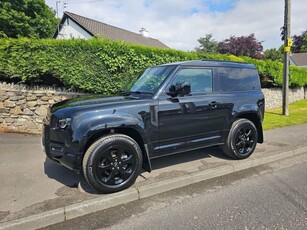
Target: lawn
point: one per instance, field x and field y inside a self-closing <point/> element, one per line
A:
<point x="273" y="118"/>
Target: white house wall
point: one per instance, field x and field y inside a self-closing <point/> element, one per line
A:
<point x="70" y="30"/>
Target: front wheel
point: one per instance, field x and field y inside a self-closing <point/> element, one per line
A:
<point x="112" y="163"/>
<point x="242" y="139"/>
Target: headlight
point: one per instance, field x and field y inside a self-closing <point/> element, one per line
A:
<point x="64" y="122"/>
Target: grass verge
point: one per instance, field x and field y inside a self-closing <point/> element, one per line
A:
<point x="273" y="118"/>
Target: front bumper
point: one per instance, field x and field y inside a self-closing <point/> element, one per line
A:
<point x="59" y="148"/>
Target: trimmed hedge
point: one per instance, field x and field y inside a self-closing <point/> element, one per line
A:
<point x="104" y="66"/>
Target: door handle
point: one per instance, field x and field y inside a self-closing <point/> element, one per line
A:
<point x="213" y="104"/>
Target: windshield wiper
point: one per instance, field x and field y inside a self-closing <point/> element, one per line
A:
<point x="124" y="92"/>
<point x="141" y="92"/>
<point x="131" y="97"/>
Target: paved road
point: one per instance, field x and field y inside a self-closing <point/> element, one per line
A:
<point x="31" y="184"/>
<point x="271" y="197"/>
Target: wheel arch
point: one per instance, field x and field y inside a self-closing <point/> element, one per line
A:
<point x="253" y="117"/>
<point x="129" y="131"/>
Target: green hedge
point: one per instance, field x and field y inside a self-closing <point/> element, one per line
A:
<point x="104" y="66"/>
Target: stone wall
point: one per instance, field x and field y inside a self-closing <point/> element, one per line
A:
<point x="273" y="96"/>
<point x="23" y="109"/>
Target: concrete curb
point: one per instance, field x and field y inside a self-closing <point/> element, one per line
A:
<point x="136" y="193"/>
<point x="36" y="221"/>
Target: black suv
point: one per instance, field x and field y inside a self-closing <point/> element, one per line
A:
<point x="172" y="108"/>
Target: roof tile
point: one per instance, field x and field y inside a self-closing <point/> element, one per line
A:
<point x="300" y="59"/>
<point x="104" y="30"/>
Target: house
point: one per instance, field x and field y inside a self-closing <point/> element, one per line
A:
<point x="76" y="26"/>
<point x="299" y="59"/>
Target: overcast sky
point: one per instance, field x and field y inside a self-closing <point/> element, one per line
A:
<point x="179" y="23"/>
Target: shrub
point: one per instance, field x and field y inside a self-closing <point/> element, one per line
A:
<point x="104" y="66"/>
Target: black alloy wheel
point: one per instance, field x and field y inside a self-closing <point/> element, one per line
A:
<point x="245" y="140"/>
<point x="115" y="165"/>
<point x="242" y="139"/>
<point x="112" y="163"/>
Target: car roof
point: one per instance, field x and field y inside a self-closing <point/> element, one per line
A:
<point x="213" y="63"/>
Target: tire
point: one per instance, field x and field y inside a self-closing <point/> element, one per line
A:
<point x="242" y="139"/>
<point x="112" y="163"/>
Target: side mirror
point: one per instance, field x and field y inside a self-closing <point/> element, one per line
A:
<point x="180" y="89"/>
<point x="172" y="91"/>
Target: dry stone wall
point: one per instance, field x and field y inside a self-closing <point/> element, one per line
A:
<point x="23" y="109"/>
<point x="273" y="96"/>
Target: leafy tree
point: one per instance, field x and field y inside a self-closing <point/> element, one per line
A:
<point x="207" y="44"/>
<point x="304" y="45"/>
<point x="274" y="54"/>
<point x="242" y="46"/>
<point x="26" y="18"/>
<point x="298" y="41"/>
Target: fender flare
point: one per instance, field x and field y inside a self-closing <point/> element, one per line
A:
<point x="112" y="123"/>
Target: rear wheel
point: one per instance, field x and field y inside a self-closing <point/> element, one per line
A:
<point x="112" y="163"/>
<point x="242" y="139"/>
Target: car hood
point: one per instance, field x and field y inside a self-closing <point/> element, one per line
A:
<point x="91" y="101"/>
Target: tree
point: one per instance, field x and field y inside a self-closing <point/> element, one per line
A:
<point x="207" y="44"/>
<point x="26" y="18"/>
<point x="304" y="45"/>
<point x="298" y="41"/>
<point x="242" y="46"/>
<point x="274" y="54"/>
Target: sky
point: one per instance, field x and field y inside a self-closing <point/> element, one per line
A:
<point x="179" y="23"/>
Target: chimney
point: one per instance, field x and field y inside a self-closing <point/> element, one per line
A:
<point x="144" y="32"/>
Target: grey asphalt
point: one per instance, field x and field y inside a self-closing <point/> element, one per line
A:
<point x="31" y="185"/>
<point x="277" y="200"/>
<point x="265" y="197"/>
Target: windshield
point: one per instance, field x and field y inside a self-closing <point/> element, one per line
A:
<point x="151" y="79"/>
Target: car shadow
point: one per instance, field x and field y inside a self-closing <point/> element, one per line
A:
<point x="71" y="179"/>
<point x="66" y="176"/>
<point x="188" y="156"/>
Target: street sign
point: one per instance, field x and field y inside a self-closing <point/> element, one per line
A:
<point x="287" y="49"/>
<point x="289" y="41"/>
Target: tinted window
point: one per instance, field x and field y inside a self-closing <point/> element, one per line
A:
<point x="238" y="79"/>
<point x="151" y="79"/>
<point x="200" y="79"/>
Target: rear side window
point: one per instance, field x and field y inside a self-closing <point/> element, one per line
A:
<point x="238" y="79"/>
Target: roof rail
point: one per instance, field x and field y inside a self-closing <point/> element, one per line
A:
<point x="223" y="61"/>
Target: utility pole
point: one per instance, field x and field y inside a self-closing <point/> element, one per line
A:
<point x="287" y="48"/>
